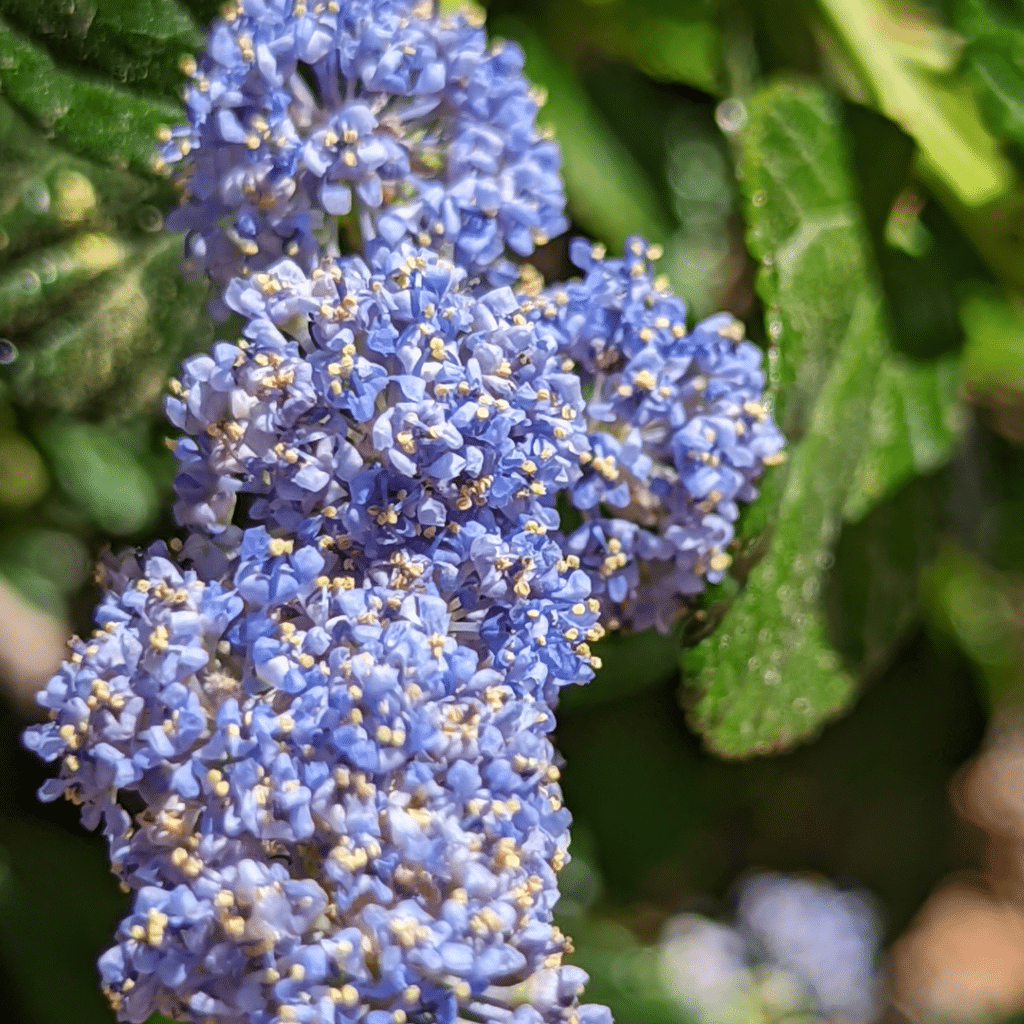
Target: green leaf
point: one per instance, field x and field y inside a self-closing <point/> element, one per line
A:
<point x="981" y="610"/>
<point x="676" y="50"/>
<point x="994" y="364"/>
<point x="118" y="344"/>
<point x="940" y="115"/>
<point x="52" y="273"/>
<point x="87" y="115"/>
<point x="97" y="471"/>
<point x="140" y="44"/>
<point x="607" y="190"/>
<point x="804" y="229"/>
<point x="994" y="62"/>
<point x="23" y="478"/>
<point x="91" y="291"/>
<point x="871" y="593"/>
<point x="993" y="356"/>
<point x="769" y="675"/>
<point x="914" y="425"/>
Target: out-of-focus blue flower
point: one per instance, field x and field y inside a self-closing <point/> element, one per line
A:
<point x="679" y="431"/>
<point x="300" y="113"/>
<point x="799" y="950"/>
<point x="705" y="967"/>
<point x="826" y="937"/>
<point x="349" y="813"/>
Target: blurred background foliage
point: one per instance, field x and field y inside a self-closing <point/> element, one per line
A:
<point x="846" y="176"/>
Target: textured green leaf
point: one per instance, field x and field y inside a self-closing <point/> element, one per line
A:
<point x="804" y="229"/>
<point x="120" y="342"/>
<point x="139" y="43"/>
<point x="769" y="675"/>
<point x="914" y="424"/>
<point x="91" y="292"/>
<point x="51" y="273"/>
<point x="87" y="115"/>
<point x="607" y="190"/>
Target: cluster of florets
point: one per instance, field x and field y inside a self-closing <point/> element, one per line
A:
<point x="387" y="392"/>
<point x="677" y="426"/>
<point x="406" y="122"/>
<point x="332" y="700"/>
<point x="349" y="814"/>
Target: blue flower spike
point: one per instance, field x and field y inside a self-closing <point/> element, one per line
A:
<point x="333" y="699"/>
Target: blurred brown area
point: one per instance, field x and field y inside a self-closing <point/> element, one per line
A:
<point x="962" y="957"/>
<point x="32" y="644"/>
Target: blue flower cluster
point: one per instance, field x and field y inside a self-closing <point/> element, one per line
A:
<point x="349" y="815"/>
<point x="302" y="113"/>
<point x="678" y="432"/>
<point x="800" y="949"/>
<point x="332" y="701"/>
<point x="824" y="936"/>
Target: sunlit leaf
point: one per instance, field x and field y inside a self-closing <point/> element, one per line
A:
<point x="769" y="675"/>
<point x="87" y="115"/>
<point x="940" y="115"/>
<point x="91" y="294"/>
<point x="914" y="423"/>
<point x="994" y="358"/>
<point x="676" y="50"/>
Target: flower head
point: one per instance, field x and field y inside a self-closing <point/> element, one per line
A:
<point x="385" y="395"/>
<point x="347" y="811"/>
<point x="678" y="428"/>
<point x="303" y="113"/>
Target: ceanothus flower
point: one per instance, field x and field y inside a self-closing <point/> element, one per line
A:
<point x="349" y="813"/>
<point x="384" y="395"/>
<point x="679" y="431"/>
<point x="301" y="113"/>
<point x="316" y="733"/>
